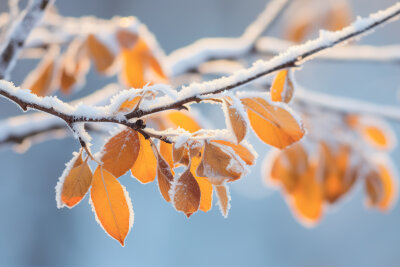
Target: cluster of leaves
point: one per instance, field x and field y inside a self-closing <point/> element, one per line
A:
<point x="121" y="51"/>
<point x="319" y="171"/>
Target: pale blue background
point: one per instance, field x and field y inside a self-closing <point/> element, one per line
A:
<point x="260" y="230"/>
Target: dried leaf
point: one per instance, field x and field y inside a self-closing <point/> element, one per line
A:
<point x="274" y="125"/>
<point x="121" y="152"/>
<point x="237" y="122"/>
<point x="245" y="154"/>
<point x="282" y="87"/>
<point x="185" y="193"/>
<point x="145" y="167"/>
<point x="218" y="164"/>
<point x="101" y="55"/>
<point x="165" y="176"/>
<point x="111" y="204"/>
<point x="223" y="198"/>
<point x="76" y="183"/>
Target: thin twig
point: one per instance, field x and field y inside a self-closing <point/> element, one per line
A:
<point x="17" y="35"/>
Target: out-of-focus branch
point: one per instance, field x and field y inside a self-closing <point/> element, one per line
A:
<point x="189" y="57"/>
<point x="390" y="54"/>
<point x="18" y="33"/>
<point x="293" y="57"/>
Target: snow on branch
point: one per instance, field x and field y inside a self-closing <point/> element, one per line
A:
<point x="18" y="33"/>
<point x="293" y="57"/>
<point x="389" y="53"/>
<point x="191" y="56"/>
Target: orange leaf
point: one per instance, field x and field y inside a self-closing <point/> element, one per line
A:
<point x="40" y="80"/>
<point x="76" y="183"/>
<point x="186" y="193"/>
<point x="245" y="154"/>
<point x="111" y="204"/>
<point x="377" y="136"/>
<point x="223" y="198"/>
<point x="121" y="152"/>
<point x="274" y="125"/>
<point x="184" y="120"/>
<point x="338" y="17"/>
<point x="166" y="153"/>
<point x="237" y="122"/>
<point x="308" y="198"/>
<point x="282" y="87"/>
<point x="130" y="105"/>
<point x="205" y="186"/>
<point x="299" y="28"/>
<point x="101" y="55"/>
<point x="145" y="167"/>
<point x="381" y="187"/>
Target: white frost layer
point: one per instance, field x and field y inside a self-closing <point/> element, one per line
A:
<point x="191" y="56"/>
<point x="389" y="53"/>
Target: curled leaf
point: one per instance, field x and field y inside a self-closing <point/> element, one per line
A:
<point x="282" y="87"/>
<point x="236" y="122"/>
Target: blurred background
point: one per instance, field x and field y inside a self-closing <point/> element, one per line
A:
<point x="260" y="229"/>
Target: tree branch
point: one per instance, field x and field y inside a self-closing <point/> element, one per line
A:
<point x="293" y="57"/>
<point x="190" y="57"/>
<point x="17" y="35"/>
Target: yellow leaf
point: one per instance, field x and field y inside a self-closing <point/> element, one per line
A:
<point x="245" y="154"/>
<point x="111" y="205"/>
<point x="121" y="152"/>
<point x="274" y="125"/>
<point x="145" y="167"/>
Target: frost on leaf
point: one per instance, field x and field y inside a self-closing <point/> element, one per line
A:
<point x="218" y="164"/>
<point x="185" y="193"/>
<point x="111" y="204"/>
<point x="223" y="198"/>
<point x="74" y="183"/>
<point x="182" y="119"/>
<point x="273" y="123"/>
<point x="120" y="152"/>
<point x="236" y="121"/>
<point x="145" y="167"/>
